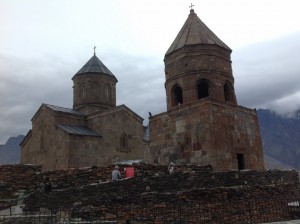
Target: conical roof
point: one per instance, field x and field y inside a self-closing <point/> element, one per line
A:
<point x="194" y="31"/>
<point x="94" y="65"/>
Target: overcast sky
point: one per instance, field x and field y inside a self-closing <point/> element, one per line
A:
<point x="43" y="43"/>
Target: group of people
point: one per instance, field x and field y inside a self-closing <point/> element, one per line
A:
<point x="116" y="174"/>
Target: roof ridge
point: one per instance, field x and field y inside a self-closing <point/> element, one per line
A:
<point x="51" y="105"/>
<point x="63" y="109"/>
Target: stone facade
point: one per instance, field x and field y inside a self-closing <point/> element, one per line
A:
<point x="94" y="132"/>
<point x="53" y="146"/>
<point x="203" y="123"/>
<point x="207" y="132"/>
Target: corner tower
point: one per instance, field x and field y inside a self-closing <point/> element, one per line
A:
<point x="198" y="66"/>
<point x="94" y="87"/>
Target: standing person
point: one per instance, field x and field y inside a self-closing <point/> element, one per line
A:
<point x="171" y="168"/>
<point x="116" y="175"/>
<point x="47" y="186"/>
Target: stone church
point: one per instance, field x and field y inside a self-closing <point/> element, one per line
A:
<point x="203" y="123"/>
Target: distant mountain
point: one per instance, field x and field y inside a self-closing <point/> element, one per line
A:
<point x="272" y="163"/>
<point x="280" y="136"/>
<point x="10" y="151"/>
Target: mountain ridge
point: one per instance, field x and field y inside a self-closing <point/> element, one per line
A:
<point x="10" y="152"/>
<point x="280" y="136"/>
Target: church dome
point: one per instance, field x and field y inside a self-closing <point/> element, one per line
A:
<point x="94" y="87"/>
<point x="94" y="65"/>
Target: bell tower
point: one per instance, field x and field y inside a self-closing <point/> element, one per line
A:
<point x="94" y="87"/>
<point x="198" y="66"/>
<point x="203" y="123"/>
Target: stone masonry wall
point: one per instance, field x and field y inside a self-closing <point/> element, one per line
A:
<point x="207" y="132"/>
<point x="196" y="193"/>
<point x="28" y="177"/>
<point x="31" y="177"/>
<point x="122" y="134"/>
<point x="48" y="146"/>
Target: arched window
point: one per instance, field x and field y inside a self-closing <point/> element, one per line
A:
<point x="81" y="90"/>
<point x="228" y="92"/>
<point x="124" y="143"/>
<point x="107" y="92"/>
<point x="203" y="88"/>
<point x="177" y="95"/>
<point x="95" y="86"/>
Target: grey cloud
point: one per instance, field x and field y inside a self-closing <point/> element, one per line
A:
<point x="141" y="84"/>
<point x="25" y="84"/>
<point x="268" y="72"/>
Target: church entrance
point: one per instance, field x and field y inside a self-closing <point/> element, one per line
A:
<point x="241" y="161"/>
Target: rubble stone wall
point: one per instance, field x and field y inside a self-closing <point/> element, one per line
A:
<point x="27" y="177"/>
<point x="195" y="192"/>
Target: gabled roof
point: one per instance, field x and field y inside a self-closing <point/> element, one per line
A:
<point x="63" y="109"/>
<point x="58" y="109"/>
<point x="115" y="110"/>
<point x="94" y="65"/>
<point x="77" y="130"/>
<point x="194" y="31"/>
